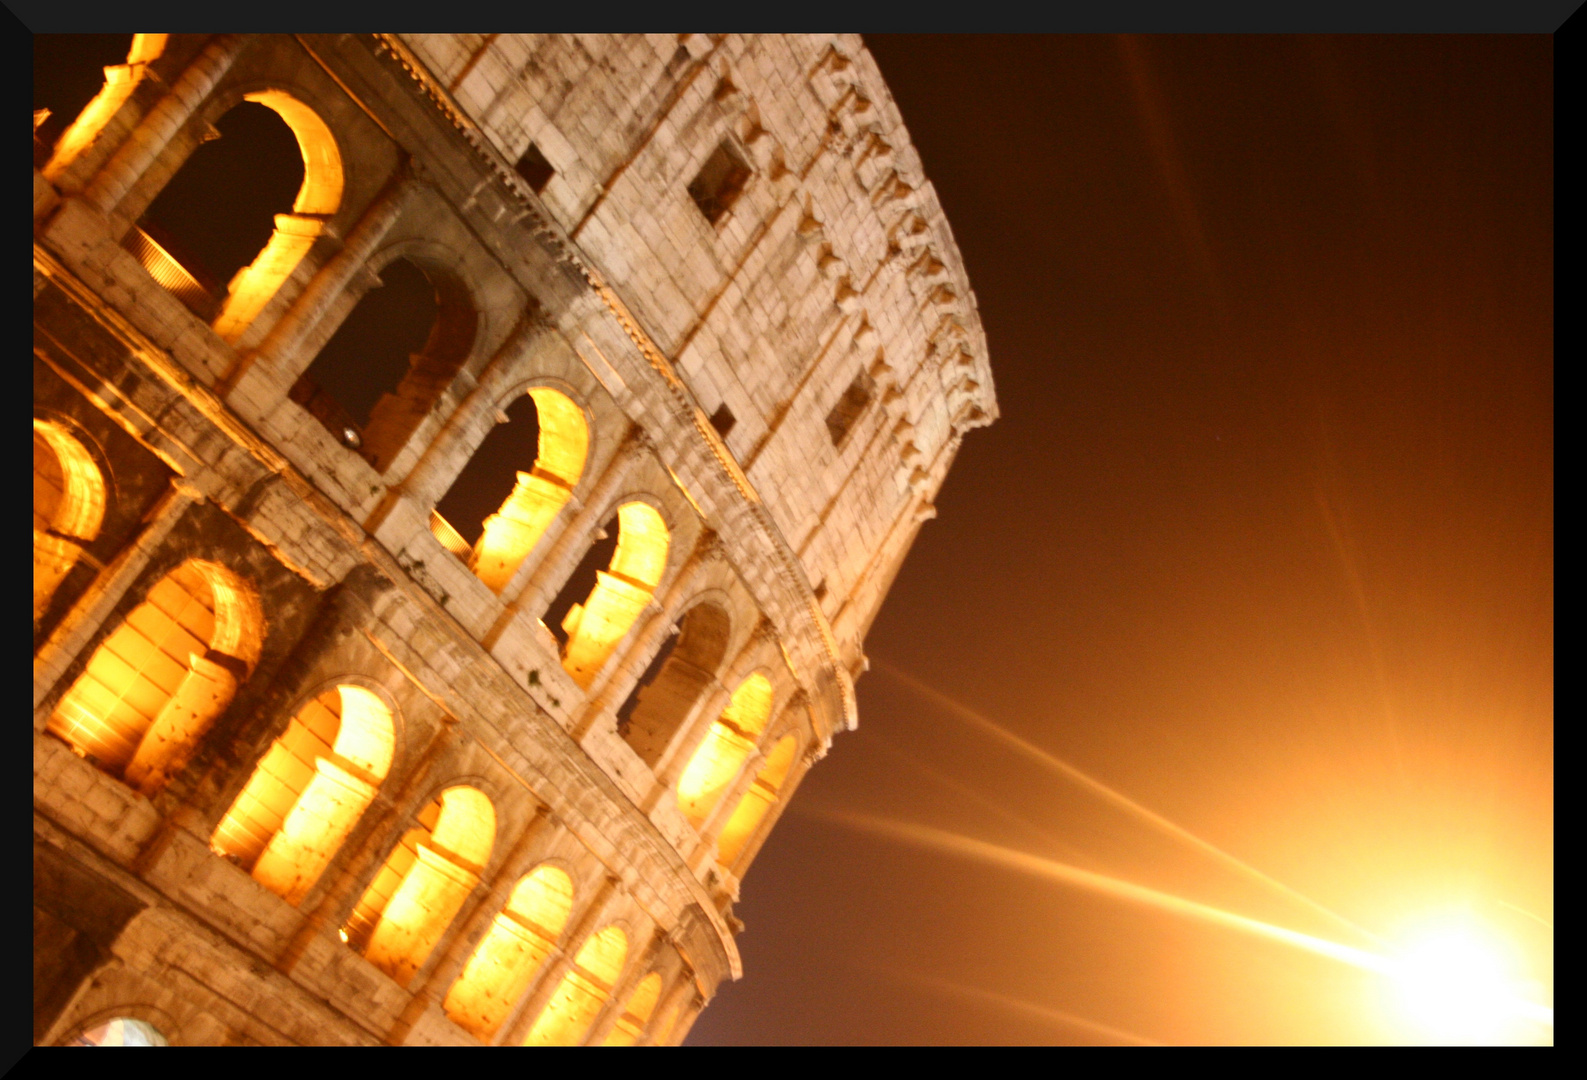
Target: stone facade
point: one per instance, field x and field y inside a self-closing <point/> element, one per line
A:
<point x="714" y="264"/>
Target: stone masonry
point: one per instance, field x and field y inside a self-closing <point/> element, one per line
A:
<point x="719" y="257"/>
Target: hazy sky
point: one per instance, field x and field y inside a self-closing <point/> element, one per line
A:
<point x="1264" y="539"/>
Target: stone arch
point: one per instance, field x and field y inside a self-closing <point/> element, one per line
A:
<point x="636" y="1013"/>
<point x="679" y="674"/>
<point x="621" y="591"/>
<point x="120" y="81"/>
<point x="534" y="498"/>
<point x="68" y="506"/>
<point x="519" y="942"/>
<point x="584" y="990"/>
<point x="372" y="387"/>
<point x="156" y="684"/>
<point x="254" y="284"/>
<point x="318" y="200"/>
<point x="309" y="790"/>
<point x="721" y="754"/>
<point x="761" y="796"/>
<point x="97" y="1028"/>
<point x="423" y="882"/>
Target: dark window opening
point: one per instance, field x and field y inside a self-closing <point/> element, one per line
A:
<point x="389" y="361"/>
<point x="720" y="182"/>
<point x="821" y="590"/>
<point x="492" y="473"/>
<point x="723" y="420"/>
<point x="535" y="169"/>
<point x="582" y="580"/>
<point x="625" y="712"/>
<point x="218" y="212"/>
<point x="840" y="421"/>
<point x="68" y="71"/>
<point x="682" y="670"/>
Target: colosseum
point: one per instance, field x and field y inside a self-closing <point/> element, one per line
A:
<point x="444" y="577"/>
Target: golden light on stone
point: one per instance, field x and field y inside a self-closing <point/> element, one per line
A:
<point x="582" y="992"/>
<point x="510" y="534"/>
<point x="621" y="592"/>
<point x="730" y="740"/>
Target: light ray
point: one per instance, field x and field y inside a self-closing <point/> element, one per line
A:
<point x="1119" y="889"/>
<point x="1119" y="800"/>
<point x="1008" y="1001"/>
<point x="965" y="791"/>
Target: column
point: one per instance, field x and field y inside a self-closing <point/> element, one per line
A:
<point x="429" y="479"/>
<point x="622" y="672"/>
<point x="569" y="546"/>
<point x="471" y="929"/>
<point x="686" y="1018"/>
<point x="638" y="968"/>
<point x="694" y="729"/>
<point x="95" y="605"/>
<point x="516" y="1027"/>
<point x="671" y="998"/>
<point x="307" y="311"/>
<point x="150" y="138"/>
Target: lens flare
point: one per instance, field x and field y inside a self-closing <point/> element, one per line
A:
<point x="1119" y="800"/>
<point x="1448" y="976"/>
<point x="1456" y="984"/>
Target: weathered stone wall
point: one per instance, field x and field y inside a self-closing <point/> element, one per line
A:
<point x="609" y="285"/>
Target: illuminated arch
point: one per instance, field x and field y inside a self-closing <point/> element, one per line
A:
<point x="676" y="678"/>
<point x="567" y="1017"/>
<point x="309" y="790"/>
<point x="761" y="797"/>
<point x="425" y="879"/>
<point x="318" y="199"/>
<point x="621" y="592"/>
<point x="510" y="534"/>
<point x="68" y="507"/>
<point x="516" y="946"/>
<point x="721" y="754"/>
<point x="160" y="679"/>
<point x="120" y="82"/>
<point x="636" y="1014"/>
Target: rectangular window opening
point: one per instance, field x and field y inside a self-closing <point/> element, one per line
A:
<point x="535" y="169"/>
<point x="720" y="182"/>
<point x="840" y="421"/>
<point x="723" y="420"/>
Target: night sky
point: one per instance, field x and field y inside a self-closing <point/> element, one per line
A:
<point x="1263" y="540"/>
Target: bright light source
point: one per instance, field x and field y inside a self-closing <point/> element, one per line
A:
<point x="1457" y="985"/>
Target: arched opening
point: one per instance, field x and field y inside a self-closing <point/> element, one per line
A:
<point x="636" y="1014"/>
<point x="69" y="72"/>
<point x="621" y="591"/>
<point x="121" y="1031"/>
<point x="662" y="1035"/>
<point x="68" y="507"/>
<point x="390" y="359"/>
<point x="309" y="790"/>
<point x="158" y="682"/>
<point x="567" y="1017"/>
<point x="516" y="946"/>
<point x="752" y="808"/>
<point x="721" y="753"/>
<point x="425" y="879"/>
<point x="493" y="515"/>
<point x="239" y="215"/>
<point x="675" y="679"/>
